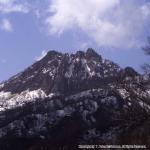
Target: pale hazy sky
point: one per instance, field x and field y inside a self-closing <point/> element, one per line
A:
<point x="117" y="29"/>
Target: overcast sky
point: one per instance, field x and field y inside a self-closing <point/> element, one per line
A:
<point x="116" y="29"/>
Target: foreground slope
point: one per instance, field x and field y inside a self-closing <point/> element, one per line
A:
<point x="71" y="99"/>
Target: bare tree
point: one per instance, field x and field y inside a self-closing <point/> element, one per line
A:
<point x="147" y="48"/>
<point x="146" y="66"/>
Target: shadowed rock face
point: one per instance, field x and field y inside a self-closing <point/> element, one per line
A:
<point x="65" y="100"/>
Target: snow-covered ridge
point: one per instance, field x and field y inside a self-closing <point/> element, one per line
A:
<point x="9" y="100"/>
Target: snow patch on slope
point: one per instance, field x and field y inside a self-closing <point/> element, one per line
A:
<point x="87" y="68"/>
<point x="9" y="101"/>
<point x="4" y="95"/>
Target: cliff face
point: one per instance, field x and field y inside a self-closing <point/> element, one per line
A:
<point x="72" y="99"/>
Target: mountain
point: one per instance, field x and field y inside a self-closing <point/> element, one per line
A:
<point x="71" y="70"/>
<point x="65" y="100"/>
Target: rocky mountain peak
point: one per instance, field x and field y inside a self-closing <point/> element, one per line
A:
<point x="80" y="54"/>
<point x="65" y="73"/>
<point x="91" y="53"/>
<point x="53" y="53"/>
